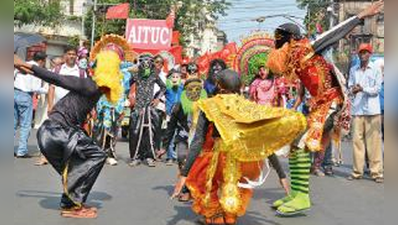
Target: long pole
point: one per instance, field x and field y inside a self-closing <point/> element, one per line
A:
<point x="83" y="21"/>
<point x="93" y="25"/>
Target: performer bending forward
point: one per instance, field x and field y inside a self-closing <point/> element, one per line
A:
<point x="61" y="138"/>
<point x="227" y="152"/>
<point x="296" y="57"/>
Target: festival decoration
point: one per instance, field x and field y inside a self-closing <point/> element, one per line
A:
<point x="253" y="53"/>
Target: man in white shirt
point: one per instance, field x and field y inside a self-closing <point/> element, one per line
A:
<point x="365" y="84"/>
<point x="24" y="88"/>
<point x="69" y="68"/>
<point x="161" y="107"/>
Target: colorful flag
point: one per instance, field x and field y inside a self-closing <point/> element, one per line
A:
<point x="118" y="12"/>
<point x="171" y="18"/>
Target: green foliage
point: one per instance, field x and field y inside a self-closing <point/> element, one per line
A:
<point x="74" y="41"/>
<point x="316" y="11"/>
<point x="187" y="17"/>
<point x="40" y="12"/>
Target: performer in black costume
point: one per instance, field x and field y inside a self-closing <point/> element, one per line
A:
<point x="145" y="78"/>
<point x="63" y="141"/>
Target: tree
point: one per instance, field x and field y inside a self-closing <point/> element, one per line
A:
<point x="189" y="17"/>
<point x="39" y="12"/>
<point x="316" y="11"/>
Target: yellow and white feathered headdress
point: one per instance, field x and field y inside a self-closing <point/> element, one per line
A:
<point x="107" y="55"/>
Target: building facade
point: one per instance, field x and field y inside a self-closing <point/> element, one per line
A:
<point x="371" y="31"/>
<point x="59" y="36"/>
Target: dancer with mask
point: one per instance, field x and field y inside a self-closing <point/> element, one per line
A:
<point x="142" y="144"/>
<point x="62" y="140"/>
<point x="109" y="116"/>
<point x="173" y="97"/>
<point x="295" y="57"/>
<point x="182" y="123"/>
<point x="216" y="66"/>
<point x="226" y="153"/>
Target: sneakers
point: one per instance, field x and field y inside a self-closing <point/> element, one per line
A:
<point x="284" y="200"/>
<point x="151" y="163"/>
<point x="300" y="204"/>
<point x="328" y="171"/>
<point x="135" y="163"/>
<point x="111" y="161"/>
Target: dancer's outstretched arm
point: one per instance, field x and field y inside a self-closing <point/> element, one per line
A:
<point x="194" y="151"/>
<point x="338" y="32"/>
<point x="197" y="143"/>
<point x="83" y="86"/>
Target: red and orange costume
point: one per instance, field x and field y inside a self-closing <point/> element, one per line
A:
<point x="227" y="151"/>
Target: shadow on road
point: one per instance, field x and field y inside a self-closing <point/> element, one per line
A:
<point x="51" y="200"/>
<point x="254" y="218"/>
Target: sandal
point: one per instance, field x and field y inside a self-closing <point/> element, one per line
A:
<point x="318" y="173"/>
<point x="82" y="213"/>
<point x="351" y="178"/>
<point x="379" y="180"/>
<point x="41" y="162"/>
<point x="184" y="198"/>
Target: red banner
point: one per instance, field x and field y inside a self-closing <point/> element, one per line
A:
<point x="118" y="12"/>
<point x="148" y="34"/>
<point x="170" y="19"/>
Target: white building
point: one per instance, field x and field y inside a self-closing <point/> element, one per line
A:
<point x="207" y="39"/>
<point x="71" y="27"/>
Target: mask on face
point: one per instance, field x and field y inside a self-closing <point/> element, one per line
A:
<point x="193" y="91"/>
<point x="192" y="70"/>
<point x="175" y="80"/>
<point x="83" y="64"/>
<point x="146" y="66"/>
<point x="281" y="38"/>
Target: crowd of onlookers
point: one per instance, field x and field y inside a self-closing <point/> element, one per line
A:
<point x="33" y="100"/>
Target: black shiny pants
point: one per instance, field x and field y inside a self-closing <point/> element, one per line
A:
<point x="75" y="156"/>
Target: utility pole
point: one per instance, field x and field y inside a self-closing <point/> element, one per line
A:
<point x="93" y="25"/>
<point x="83" y="20"/>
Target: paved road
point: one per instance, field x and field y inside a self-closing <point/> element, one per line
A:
<point x="140" y="196"/>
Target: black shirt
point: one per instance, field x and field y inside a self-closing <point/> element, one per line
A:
<point x="71" y="110"/>
<point x="180" y="123"/>
<point x="145" y="88"/>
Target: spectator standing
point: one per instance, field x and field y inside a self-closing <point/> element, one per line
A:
<point x="24" y="88"/>
<point x="365" y="84"/>
<point x="70" y="68"/>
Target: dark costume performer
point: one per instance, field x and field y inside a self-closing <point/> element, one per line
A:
<point x="216" y="66"/>
<point x="182" y="122"/>
<point x="227" y="152"/>
<point x="62" y="140"/>
<point x="296" y="57"/>
<point x="142" y="144"/>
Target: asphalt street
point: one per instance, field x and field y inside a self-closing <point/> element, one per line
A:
<point x="140" y="196"/>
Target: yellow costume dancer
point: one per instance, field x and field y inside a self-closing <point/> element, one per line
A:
<point x="227" y="149"/>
